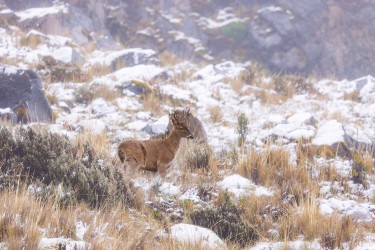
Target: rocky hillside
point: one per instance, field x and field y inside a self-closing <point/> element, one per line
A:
<point x="322" y="38"/>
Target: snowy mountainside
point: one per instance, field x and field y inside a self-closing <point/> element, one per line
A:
<point x="127" y="92"/>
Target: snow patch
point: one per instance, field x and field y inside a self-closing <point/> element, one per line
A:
<point x="93" y="125"/>
<point x="69" y="244"/>
<point x="329" y="133"/>
<point x="160" y="126"/>
<point x="191" y="234"/>
<point x="169" y="189"/>
<point x="241" y="186"/>
<point x="40" y="12"/>
<point x="360" y="211"/>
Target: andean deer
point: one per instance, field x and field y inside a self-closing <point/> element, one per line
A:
<point x="156" y="155"/>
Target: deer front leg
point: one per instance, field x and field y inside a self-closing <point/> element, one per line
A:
<point x="162" y="169"/>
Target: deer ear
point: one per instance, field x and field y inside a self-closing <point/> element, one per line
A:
<point x="172" y="117"/>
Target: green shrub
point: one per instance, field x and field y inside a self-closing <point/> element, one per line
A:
<point x="237" y="31"/>
<point x="358" y="169"/>
<point x="226" y="221"/>
<point x="242" y="128"/>
<point x="51" y="162"/>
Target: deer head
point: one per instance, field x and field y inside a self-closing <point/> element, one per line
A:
<point x="179" y="118"/>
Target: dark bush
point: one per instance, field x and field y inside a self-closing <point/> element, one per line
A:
<point x="226" y="221"/>
<point x="50" y="161"/>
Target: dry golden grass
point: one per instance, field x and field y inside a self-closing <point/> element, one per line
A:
<point x="368" y="161"/>
<point x="99" y="142"/>
<point x="262" y="212"/>
<point x="237" y="84"/>
<point x="153" y="103"/>
<point x="325" y="152"/>
<point x="9" y="61"/>
<point x="167" y="58"/>
<point x="215" y="114"/>
<point x="97" y="70"/>
<point x="352" y="96"/>
<point x="105" y="92"/>
<point x="332" y="231"/>
<point x="338" y="116"/>
<point x="271" y="168"/>
<point x="31" y="41"/>
<point x="26" y="219"/>
<point x="262" y="166"/>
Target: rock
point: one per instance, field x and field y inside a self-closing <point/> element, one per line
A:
<point x="137" y="87"/>
<point x="94" y="126"/>
<point x="101" y="107"/>
<point x="334" y="135"/>
<point x="131" y="57"/>
<point x="22" y="91"/>
<point x="366" y="88"/>
<point x="68" y="55"/>
<point x="7" y="16"/>
<point x="161" y="125"/>
<point x="302" y="118"/>
<point x="295" y="128"/>
<point x="7" y="114"/>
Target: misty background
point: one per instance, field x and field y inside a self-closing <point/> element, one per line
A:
<point x="307" y="37"/>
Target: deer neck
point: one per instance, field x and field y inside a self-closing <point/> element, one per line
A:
<point x="173" y="140"/>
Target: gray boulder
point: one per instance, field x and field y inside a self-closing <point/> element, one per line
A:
<point x="340" y="139"/>
<point x="22" y="91"/>
<point x="132" y="57"/>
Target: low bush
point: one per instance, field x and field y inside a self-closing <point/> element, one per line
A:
<point x="50" y="162"/>
<point x="227" y="222"/>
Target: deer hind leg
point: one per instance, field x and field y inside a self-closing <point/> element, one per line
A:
<point x="131" y="165"/>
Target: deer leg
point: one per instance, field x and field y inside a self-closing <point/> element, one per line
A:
<point x="162" y="170"/>
<point x="131" y="166"/>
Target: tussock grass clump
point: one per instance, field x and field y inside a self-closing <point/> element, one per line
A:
<point x="271" y="167"/>
<point x="197" y="155"/>
<point x="261" y="167"/>
<point x="49" y="161"/>
<point x="308" y="222"/>
<point x="98" y="69"/>
<point x="86" y="94"/>
<point x="152" y="102"/>
<point x="263" y="212"/>
<point x="339" y="230"/>
<point x="215" y="114"/>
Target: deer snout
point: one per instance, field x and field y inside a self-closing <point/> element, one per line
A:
<point x="190" y="137"/>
